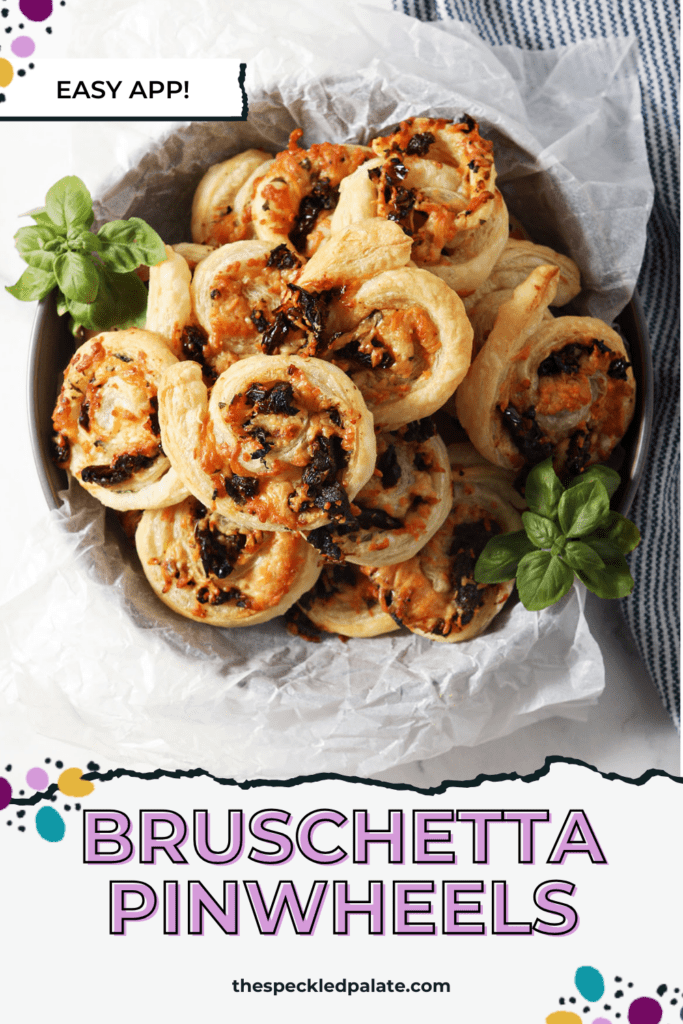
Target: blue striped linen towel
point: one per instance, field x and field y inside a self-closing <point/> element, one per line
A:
<point x="652" y="610"/>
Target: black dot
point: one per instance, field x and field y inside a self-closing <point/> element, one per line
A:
<point x="561" y="1000"/>
<point x="21" y="72"/>
<point x="59" y="764"/>
<point x="617" y="1015"/>
<point x="571" y="999"/>
<point x="617" y="979"/>
<point x="20" y="814"/>
<point x="21" y="792"/>
<point x="673" y="1002"/>
<point x="67" y="807"/>
<point x="9" y="822"/>
<point x="77" y="806"/>
<point x="22" y="828"/>
<point x="53" y="798"/>
<point x="618" y="994"/>
<point x="2" y="97"/>
<point x="31" y="66"/>
<point x="21" y="26"/>
<point x="676" y="990"/>
<point x="8" y="29"/>
<point x="8" y="767"/>
<point x="630" y="984"/>
<point x="607" y="1006"/>
<point x="92" y="767"/>
<point x="586" y="1009"/>
<point x="48" y="759"/>
<point x="5" y="12"/>
<point x="49" y="31"/>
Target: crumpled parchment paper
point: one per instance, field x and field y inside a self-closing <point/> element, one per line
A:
<point x="88" y="648"/>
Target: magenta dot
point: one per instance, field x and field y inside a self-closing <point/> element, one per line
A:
<point x="5" y="793"/>
<point x="36" y="10"/>
<point x="37" y="778"/>
<point x="23" y="46"/>
<point x="644" y="1011"/>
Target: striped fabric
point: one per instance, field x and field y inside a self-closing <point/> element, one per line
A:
<point x="652" y="610"/>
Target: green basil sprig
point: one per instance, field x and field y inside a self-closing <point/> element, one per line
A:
<point x="95" y="273"/>
<point x="567" y="532"/>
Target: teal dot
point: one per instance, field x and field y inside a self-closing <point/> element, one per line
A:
<point x="50" y="824"/>
<point x="590" y="983"/>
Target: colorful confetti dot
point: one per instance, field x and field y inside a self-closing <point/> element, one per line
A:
<point x="644" y="1011"/>
<point x="23" y="46"/>
<point x="50" y="824"/>
<point x="590" y="983"/>
<point x="6" y="72"/>
<point x="71" y="784"/>
<point x="601" y="1020"/>
<point x="36" y="10"/>
<point x="563" y="1017"/>
<point x="5" y="793"/>
<point x="37" y="778"/>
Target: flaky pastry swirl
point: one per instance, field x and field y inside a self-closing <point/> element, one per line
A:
<point x="221" y="203"/>
<point x="538" y="388"/>
<point x="346" y="601"/>
<point x="402" y="505"/>
<point x="282" y="442"/>
<point x="107" y="430"/>
<point x="434" y="593"/>
<point x="207" y="569"/>
<point x="437" y="180"/>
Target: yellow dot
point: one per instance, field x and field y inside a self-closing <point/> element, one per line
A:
<point x="6" y="72"/>
<point x="71" y="784"/>
<point x="563" y="1017"/>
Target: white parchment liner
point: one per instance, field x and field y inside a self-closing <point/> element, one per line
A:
<point x="88" y="648"/>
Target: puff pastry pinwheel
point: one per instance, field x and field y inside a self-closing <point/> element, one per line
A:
<point x="434" y="593"/>
<point x="204" y="567"/>
<point x="106" y="423"/>
<point x="295" y="197"/>
<point x="246" y="302"/>
<point x="345" y="601"/>
<point x="468" y="465"/>
<point x="438" y="181"/>
<point x="402" y="505"/>
<point x="538" y="388"/>
<point x="221" y="203"/>
<point x="408" y="347"/>
<point x="282" y="443"/>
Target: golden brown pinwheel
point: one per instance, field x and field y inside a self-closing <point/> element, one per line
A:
<point x="345" y="601"/>
<point x="405" y="341"/>
<point x="295" y="197"/>
<point x="434" y="593"/>
<point x="402" y="505"/>
<point x="206" y="568"/>
<point x="281" y="443"/>
<point x="560" y="387"/>
<point x="221" y="208"/>
<point x="106" y="424"/>
<point x="438" y="181"/>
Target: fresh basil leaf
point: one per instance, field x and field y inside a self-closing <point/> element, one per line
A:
<point x="583" y="508"/>
<point x="39" y="215"/>
<point x="542" y="579"/>
<point x="578" y="555"/>
<point x="119" y="258"/>
<point x="498" y="561"/>
<point x="77" y="277"/>
<point x="541" y="532"/>
<point x="33" y="284"/>
<point x="543" y="489"/>
<point x="121" y="302"/>
<point x="609" y="477"/>
<point x="31" y="245"/>
<point x="69" y="204"/>
<point x="613" y="581"/>
<point x="139" y="238"/>
<point x="624" y="534"/>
